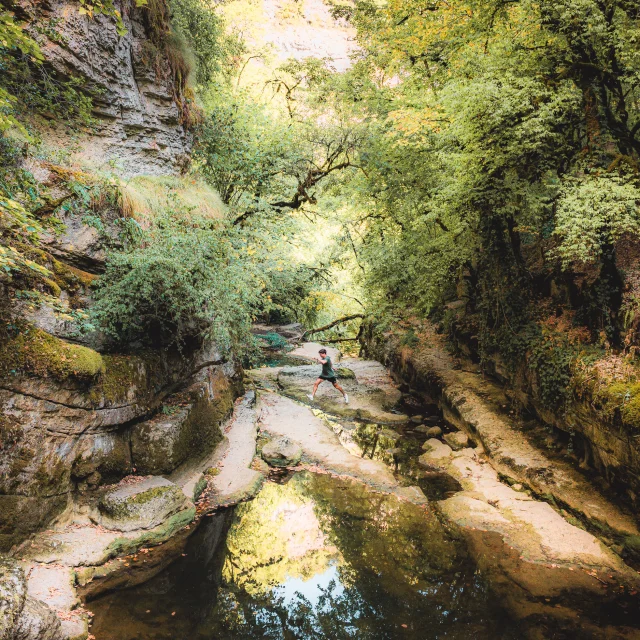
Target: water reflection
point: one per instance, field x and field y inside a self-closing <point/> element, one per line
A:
<point x="314" y="558"/>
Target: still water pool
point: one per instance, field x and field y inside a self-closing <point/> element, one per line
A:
<point x="317" y="557"/>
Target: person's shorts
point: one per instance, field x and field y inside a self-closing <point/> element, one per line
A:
<point x="331" y="379"/>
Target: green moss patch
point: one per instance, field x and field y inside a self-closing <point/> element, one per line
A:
<point x="124" y="546"/>
<point x="620" y="398"/>
<point x="27" y="350"/>
<point x="69" y="277"/>
<point x="121" y="373"/>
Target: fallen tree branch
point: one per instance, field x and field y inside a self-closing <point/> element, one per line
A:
<point x="333" y="324"/>
<point x="336" y="340"/>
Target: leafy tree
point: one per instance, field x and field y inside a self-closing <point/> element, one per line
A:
<point x="506" y="149"/>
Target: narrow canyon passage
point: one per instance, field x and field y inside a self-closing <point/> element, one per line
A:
<point x="198" y="198"/>
<point x="374" y="530"/>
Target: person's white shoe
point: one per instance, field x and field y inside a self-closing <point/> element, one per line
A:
<point x="310" y="397"/>
<point x="346" y="399"/>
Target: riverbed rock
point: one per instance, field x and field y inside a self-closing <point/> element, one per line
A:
<point x="141" y="505"/>
<point x="457" y="440"/>
<point x="435" y="452"/>
<point x="433" y="432"/>
<point x="372" y="394"/>
<point x="475" y="403"/>
<point x="416" y="419"/>
<point x="281" y="452"/>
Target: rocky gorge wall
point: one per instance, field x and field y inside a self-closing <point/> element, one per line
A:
<point x="138" y="110"/>
<point x="74" y="414"/>
<point x="598" y="418"/>
<point x="581" y="477"/>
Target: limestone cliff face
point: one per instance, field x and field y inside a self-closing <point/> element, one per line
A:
<point x="138" y="116"/>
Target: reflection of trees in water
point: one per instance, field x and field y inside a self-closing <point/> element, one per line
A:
<point x="274" y="537"/>
<point x="393" y="563"/>
<point x="396" y="565"/>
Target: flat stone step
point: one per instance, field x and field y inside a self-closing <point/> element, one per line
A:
<point x="234" y="479"/>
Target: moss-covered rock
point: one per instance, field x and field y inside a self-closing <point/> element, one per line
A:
<point x="188" y="426"/>
<point x="141" y="505"/>
<point x="26" y="350"/>
<point x="344" y="373"/>
<point x="13" y="593"/>
<point x="620" y="399"/>
<point x="21" y="616"/>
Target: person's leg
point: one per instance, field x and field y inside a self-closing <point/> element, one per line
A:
<point x="342" y="391"/>
<point x="315" y="388"/>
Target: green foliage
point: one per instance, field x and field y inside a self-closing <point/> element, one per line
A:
<point x="184" y="283"/>
<point x="28" y="85"/>
<point x="502" y="155"/>
<point x="107" y="8"/>
<point x="13" y="41"/>
<point x="593" y="212"/>
<point x="275" y="340"/>
<point x="198" y="23"/>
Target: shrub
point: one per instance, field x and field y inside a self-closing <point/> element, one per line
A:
<point x="275" y="340"/>
<point x="183" y="284"/>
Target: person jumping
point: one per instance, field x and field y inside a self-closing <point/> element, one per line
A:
<point x="327" y="374"/>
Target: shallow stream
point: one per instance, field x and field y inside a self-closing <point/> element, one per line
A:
<point x="312" y="557"/>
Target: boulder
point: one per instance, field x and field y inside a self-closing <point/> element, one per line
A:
<point x="21" y="616"/>
<point x="141" y="505"/>
<point x="281" y="452"/>
<point x="344" y="373"/>
<point x="457" y="440"/>
<point x="435" y="452"/>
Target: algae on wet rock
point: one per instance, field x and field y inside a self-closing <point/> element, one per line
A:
<point x="157" y="535"/>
